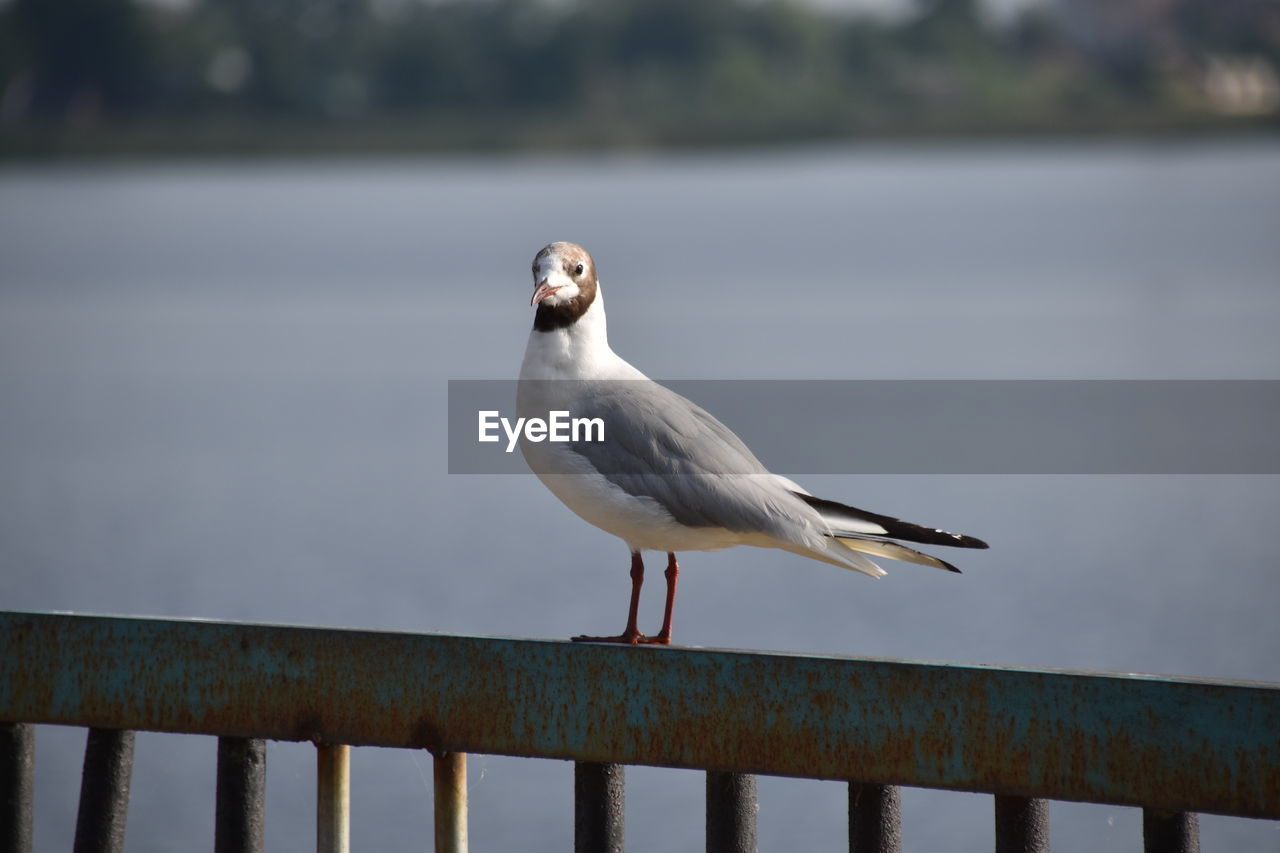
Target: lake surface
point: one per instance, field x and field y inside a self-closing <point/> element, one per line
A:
<point x="223" y="387"/>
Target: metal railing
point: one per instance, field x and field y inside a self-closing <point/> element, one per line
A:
<point x="1174" y="747"/>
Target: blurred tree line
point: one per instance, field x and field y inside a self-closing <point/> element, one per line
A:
<point x="561" y="72"/>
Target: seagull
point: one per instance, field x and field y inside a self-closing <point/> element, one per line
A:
<point x="670" y="477"/>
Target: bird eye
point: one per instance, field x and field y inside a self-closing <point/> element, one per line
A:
<point x="578" y="270"/>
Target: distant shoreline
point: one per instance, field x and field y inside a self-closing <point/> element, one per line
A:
<point x="239" y="138"/>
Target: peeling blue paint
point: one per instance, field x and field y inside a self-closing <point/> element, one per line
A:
<point x="1173" y="744"/>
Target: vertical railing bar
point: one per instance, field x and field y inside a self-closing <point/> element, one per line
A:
<point x="17" y="770"/>
<point x="875" y="818"/>
<point x="598" y="798"/>
<point x="1170" y="832"/>
<point x="450" y="775"/>
<point x="731" y="812"/>
<point x="104" y="791"/>
<point x="333" y="800"/>
<point x="242" y="785"/>
<point x="1022" y="825"/>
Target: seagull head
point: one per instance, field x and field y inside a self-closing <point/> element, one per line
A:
<point x="563" y="274"/>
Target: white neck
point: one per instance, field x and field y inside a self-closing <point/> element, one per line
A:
<point x="578" y="351"/>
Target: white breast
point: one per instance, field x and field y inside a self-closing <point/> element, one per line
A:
<point x="552" y="361"/>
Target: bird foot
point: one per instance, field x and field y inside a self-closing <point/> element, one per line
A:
<point x="627" y="638"/>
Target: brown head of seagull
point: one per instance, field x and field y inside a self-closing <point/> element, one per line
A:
<point x="670" y="477"/>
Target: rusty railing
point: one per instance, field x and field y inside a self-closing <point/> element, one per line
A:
<point x="1174" y="747"/>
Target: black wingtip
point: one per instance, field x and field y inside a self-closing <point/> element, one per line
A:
<point x="895" y="528"/>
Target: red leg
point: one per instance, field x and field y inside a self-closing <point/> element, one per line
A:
<point x="632" y="633"/>
<point x="672" y="572"/>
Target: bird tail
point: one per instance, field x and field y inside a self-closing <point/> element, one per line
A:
<point x="893" y="551"/>
<point x="853" y="558"/>
<point x="857" y="523"/>
<point x="862" y="533"/>
<point x="834" y="551"/>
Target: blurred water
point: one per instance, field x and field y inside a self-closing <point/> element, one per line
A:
<point x="222" y="392"/>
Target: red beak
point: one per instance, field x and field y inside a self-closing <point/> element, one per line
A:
<point x="544" y="290"/>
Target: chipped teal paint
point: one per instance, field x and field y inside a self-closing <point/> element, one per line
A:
<point x="1173" y="744"/>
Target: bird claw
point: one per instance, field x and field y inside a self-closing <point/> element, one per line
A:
<point x="628" y="638"/>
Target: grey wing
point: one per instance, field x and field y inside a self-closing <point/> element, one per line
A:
<point x="660" y="445"/>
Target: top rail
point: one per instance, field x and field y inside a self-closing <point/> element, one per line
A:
<point x="1165" y="743"/>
